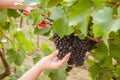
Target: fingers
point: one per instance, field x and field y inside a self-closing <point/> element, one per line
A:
<point x="54" y="54"/>
<point x="31" y="8"/>
<point x="65" y="59"/>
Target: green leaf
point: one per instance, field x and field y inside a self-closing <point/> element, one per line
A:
<point x="118" y="70"/>
<point x="57" y="12"/>
<point x="94" y="71"/>
<point x="104" y="24"/>
<point x="60" y="26"/>
<point x="108" y="62"/>
<point x="31" y="2"/>
<point x="19" y="36"/>
<point x="100" y="73"/>
<point x="34" y="18"/>
<point x="36" y="58"/>
<point x="28" y="45"/>
<point x="85" y="24"/>
<point x="78" y="11"/>
<point x="11" y="53"/>
<point x="52" y="3"/>
<point x="3" y="17"/>
<point x="13" y="13"/>
<point x="14" y="57"/>
<point x="115" y="50"/>
<point x="44" y="31"/>
<point x="7" y="26"/>
<point x="45" y="49"/>
<point x="59" y="74"/>
<point x="117" y="38"/>
<point x="1" y="45"/>
<point x="100" y="53"/>
<point x="97" y="4"/>
<point x="105" y="74"/>
<point x="20" y="56"/>
<point x="18" y="60"/>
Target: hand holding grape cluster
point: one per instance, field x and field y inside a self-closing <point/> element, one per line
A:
<point x="76" y="46"/>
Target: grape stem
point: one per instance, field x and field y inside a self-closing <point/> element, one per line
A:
<point x="96" y="40"/>
<point x="21" y="21"/>
<point x="115" y="4"/>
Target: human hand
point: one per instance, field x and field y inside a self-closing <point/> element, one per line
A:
<point x="52" y="61"/>
<point x="27" y="10"/>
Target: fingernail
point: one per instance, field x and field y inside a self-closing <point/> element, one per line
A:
<point x="57" y="50"/>
<point x="69" y="53"/>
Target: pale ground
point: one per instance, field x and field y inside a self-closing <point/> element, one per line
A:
<point x="78" y="74"/>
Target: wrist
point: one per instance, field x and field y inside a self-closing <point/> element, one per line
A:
<point x="41" y="66"/>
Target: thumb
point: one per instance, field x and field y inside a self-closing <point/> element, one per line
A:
<point x="54" y="54"/>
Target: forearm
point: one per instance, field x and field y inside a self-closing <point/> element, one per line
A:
<point x="33" y="73"/>
<point x="10" y="4"/>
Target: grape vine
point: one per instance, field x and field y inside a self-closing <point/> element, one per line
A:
<point x="76" y="25"/>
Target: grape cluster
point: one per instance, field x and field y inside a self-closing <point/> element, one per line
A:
<point x="76" y="46"/>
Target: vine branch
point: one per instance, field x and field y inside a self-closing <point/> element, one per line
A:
<point x="21" y="21"/>
<point x="4" y="61"/>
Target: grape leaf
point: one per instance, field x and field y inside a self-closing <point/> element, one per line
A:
<point x="28" y="45"/>
<point x="3" y="17"/>
<point x="52" y="3"/>
<point x="104" y="24"/>
<point x="31" y="2"/>
<point x="11" y="53"/>
<point x="97" y="4"/>
<point x="100" y="53"/>
<point x="105" y="74"/>
<point x="7" y="26"/>
<point x="19" y="58"/>
<point x="85" y="24"/>
<point x="18" y="35"/>
<point x="57" y="12"/>
<point x="45" y="49"/>
<point x="13" y="13"/>
<point x="60" y="26"/>
<point x="44" y="31"/>
<point x="108" y="62"/>
<point x="117" y="38"/>
<point x="118" y="70"/>
<point x="100" y="73"/>
<point x="78" y="10"/>
<point x="36" y="58"/>
<point x="94" y="71"/>
<point x="59" y="74"/>
<point x="34" y="17"/>
<point x="115" y="50"/>
<point x="14" y="57"/>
